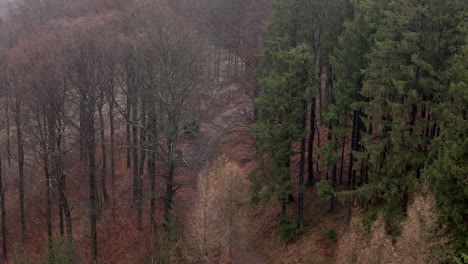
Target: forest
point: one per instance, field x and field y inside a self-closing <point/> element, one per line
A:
<point x="233" y="131"/>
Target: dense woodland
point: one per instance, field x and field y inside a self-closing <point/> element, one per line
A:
<point x="114" y="114"/>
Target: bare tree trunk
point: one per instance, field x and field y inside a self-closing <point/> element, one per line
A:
<point x="82" y="131"/>
<point x="3" y="207"/>
<point x="217" y="64"/>
<point x="169" y="187"/>
<point x="236" y="58"/>
<point x="141" y="166"/>
<point x="135" y="151"/>
<point x="152" y="175"/>
<point x="50" y="171"/>
<point x="48" y="190"/>
<point x="92" y="191"/>
<point x="20" y="146"/>
<point x="230" y="63"/>
<point x="91" y="151"/>
<point x="65" y="208"/>
<point x="112" y="148"/>
<point x="153" y="141"/>
<point x="62" y="226"/>
<point x="104" y="153"/>
<point x="128" y="133"/>
<point x="8" y="142"/>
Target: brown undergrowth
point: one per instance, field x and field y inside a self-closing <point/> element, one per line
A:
<point x="420" y="242"/>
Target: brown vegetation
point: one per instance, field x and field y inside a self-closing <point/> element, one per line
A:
<point x="419" y="242"/>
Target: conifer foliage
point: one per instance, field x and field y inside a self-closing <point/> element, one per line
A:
<point x="287" y="77"/>
<point x="395" y="103"/>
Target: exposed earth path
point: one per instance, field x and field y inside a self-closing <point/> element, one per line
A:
<point x="202" y="151"/>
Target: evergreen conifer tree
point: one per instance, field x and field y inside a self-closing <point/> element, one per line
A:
<point x="287" y="78"/>
<point x="403" y="82"/>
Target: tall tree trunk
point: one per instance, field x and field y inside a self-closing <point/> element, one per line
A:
<point x="112" y="148"/>
<point x="8" y="141"/>
<point x="332" y="201"/>
<point x="82" y="131"/>
<point x="343" y="145"/>
<point x="217" y="64"/>
<point x="48" y="191"/>
<point x="169" y="187"/>
<point x="152" y="156"/>
<point x="51" y="257"/>
<point x="329" y="139"/>
<point x="364" y="166"/>
<point x="128" y="132"/>
<point x="152" y="176"/>
<point x="253" y="88"/>
<point x="49" y="173"/>
<point x="135" y="151"/>
<point x="358" y="127"/>
<point x="351" y="156"/>
<point x="91" y="151"/>
<point x="333" y="171"/>
<point x="322" y="89"/>
<point x="300" y="206"/>
<point x="141" y="165"/>
<point x="229" y="64"/>
<point x="92" y="198"/>
<point x="310" y="145"/>
<point x="20" y="146"/>
<point x="283" y="209"/>
<point x="104" y="153"/>
<point x="318" y="147"/>
<point x="62" y="226"/>
<point x="3" y="207"/>
<point x="66" y="209"/>
<point x="62" y="182"/>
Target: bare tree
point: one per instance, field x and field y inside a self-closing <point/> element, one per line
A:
<point x="3" y="208"/>
<point x="85" y="64"/>
<point x="173" y="83"/>
<point x="16" y="87"/>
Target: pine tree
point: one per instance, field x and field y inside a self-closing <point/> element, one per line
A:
<point x="447" y="173"/>
<point x="287" y="77"/>
<point x="285" y="87"/>
<point x="403" y="81"/>
<point x="348" y="61"/>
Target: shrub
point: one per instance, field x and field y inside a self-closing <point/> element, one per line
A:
<point x="21" y="256"/>
<point x="288" y="230"/>
<point x="331" y="235"/>
<point x="325" y="191"/>
<point x="60" y="252"/>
